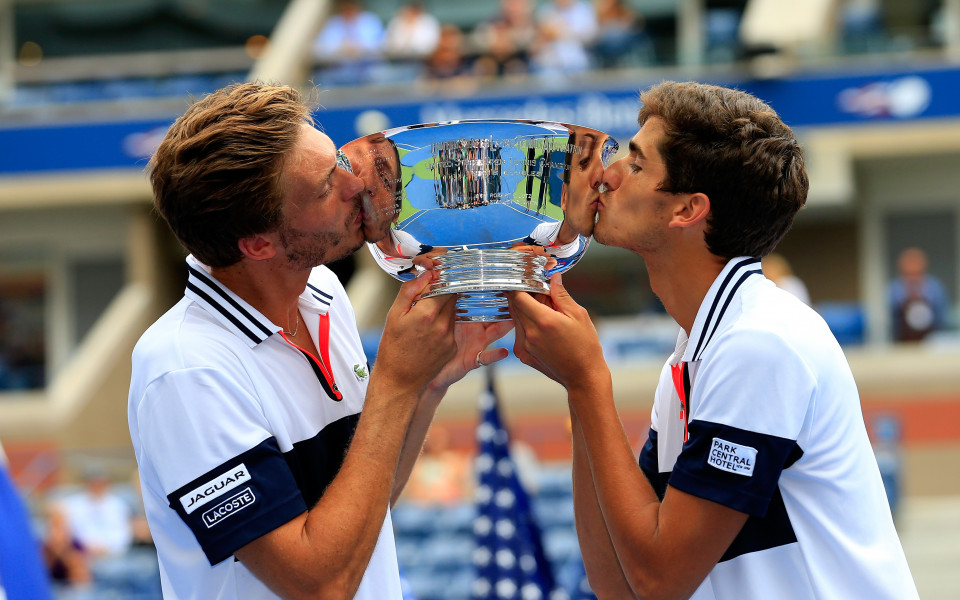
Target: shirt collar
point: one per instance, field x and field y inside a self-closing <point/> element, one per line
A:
<point x="316" y="299"/>
<point x="725" y="288"/>
<point x="233" y="312"/>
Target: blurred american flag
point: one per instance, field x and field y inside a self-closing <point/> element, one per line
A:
<point x="509" y="557"/>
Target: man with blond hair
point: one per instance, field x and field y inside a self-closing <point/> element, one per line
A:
<point x="269" y="452"/>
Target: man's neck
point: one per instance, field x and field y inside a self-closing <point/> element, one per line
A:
<point x="273" y="291"/>
<point x="682" y="282"/>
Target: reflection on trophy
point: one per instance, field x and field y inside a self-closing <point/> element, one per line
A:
<point x="497" y="205"/>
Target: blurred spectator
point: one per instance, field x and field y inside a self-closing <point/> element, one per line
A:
<point x="722" y="33"/>
<point x="350" y="43"/>
<point x="442" y="475"/>
<point x="861" y="26"/>
<point x="412" y="32"/>
<point x="447" y="60"/>
<point x="566" y="28"/>
<point x="505" y="41"/>
<point x="63" y="553"/>
<point x="917" y="300"/>
<point x="777" y="269"/>
<point x="100" y="518"/>
<point x="620" y="35"/>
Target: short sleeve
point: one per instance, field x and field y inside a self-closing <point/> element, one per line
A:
<point x="217" y="461"/>
<point x="750" y="399"/>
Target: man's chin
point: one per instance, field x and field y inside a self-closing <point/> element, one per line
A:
<point x="335" y="256"/>
<point x="587" y="224"/>
<point x="374" y="232"/>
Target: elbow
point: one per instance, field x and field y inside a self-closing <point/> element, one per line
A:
<point x="647" y="584"/>
<point x="325" y="591"/>
<point x="659" y="592"/>
<point x="338" y="586"/>
<point x="603" y="591"/>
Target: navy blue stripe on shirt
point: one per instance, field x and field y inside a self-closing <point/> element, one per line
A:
<point x="316" y="461"/>
<point x="233" y="319"/>
<point x="240" y="500"/>
<point x="700" y="468"/>
<point x="723" y="309"/>
<point x="326" y="299"/>
<point x="651" y="466"/>
<point x="758" y="533"/>
<point x="230" y="506"/>
<point x="716" y="300"/>
<point x="233" y="303"/>
<point x="763" y="533"/>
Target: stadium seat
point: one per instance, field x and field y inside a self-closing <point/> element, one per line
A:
<point x="845" y="319"/>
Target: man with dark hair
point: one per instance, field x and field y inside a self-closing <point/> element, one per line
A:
<point x="261" y="477"/>
<point x="757" y="480"/>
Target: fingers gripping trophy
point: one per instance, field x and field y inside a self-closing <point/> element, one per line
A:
<point x="493" y="205"/>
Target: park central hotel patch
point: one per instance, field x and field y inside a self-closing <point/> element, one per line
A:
<point x="734" y="458"/>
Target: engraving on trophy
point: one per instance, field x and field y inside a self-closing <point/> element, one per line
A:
<point x="467" y="172"/>
<point x="524" y="195"/>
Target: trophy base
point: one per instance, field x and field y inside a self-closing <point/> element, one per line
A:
<point x="481" y="277"/>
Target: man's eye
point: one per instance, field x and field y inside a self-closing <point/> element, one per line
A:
<point x="635" y="168"/>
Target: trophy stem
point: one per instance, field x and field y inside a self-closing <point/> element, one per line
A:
<point x="474" y="273"/>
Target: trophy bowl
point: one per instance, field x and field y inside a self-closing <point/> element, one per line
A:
<point x="493" y="205"/>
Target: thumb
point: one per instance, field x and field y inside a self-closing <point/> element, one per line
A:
<point x="411" y="290"/>
<point x="559" y="294"/>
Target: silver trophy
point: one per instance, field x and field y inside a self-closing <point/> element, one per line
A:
<point x="496" y="205"/>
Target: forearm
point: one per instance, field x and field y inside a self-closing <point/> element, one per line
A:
<point x="416" y="434"/>
<point x="628" y="504"/>
<point x="599" y="556"/>
<point x="325" y="551"/>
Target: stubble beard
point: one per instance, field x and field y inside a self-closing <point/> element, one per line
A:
<point x="305" y="251"/>
<point x="599" y="234"/>
<point x="641" y="241"/>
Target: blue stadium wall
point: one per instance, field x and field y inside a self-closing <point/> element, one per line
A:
<point x="823" y="99"/>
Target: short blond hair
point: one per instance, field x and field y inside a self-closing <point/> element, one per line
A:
<point x="216" y="174"/>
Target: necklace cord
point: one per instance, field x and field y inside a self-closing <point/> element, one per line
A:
<point x="296" y="329"/>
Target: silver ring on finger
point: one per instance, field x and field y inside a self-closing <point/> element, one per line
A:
<point x="480" y="363"/>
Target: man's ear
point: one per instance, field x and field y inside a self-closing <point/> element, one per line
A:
<point x="257" y="247"/>
<point x="690" y="209"/>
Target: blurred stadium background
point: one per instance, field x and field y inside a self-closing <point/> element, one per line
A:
<point x="88" y="87"/>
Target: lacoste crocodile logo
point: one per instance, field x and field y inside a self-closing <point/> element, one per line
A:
<point x="360" y="372"/>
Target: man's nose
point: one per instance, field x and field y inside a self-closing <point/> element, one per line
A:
<point x="596" y="176"/>
<point x="352" y="185"/>
<point x="611" y="178"/>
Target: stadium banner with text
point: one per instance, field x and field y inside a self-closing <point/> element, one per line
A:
<point x="816" y="99"/>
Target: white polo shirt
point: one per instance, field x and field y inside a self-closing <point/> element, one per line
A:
<point x="776" y="431"/>
<point x="545" y="234"/>
<point x="236" y="432"/>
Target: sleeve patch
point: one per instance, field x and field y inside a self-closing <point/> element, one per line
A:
<point x="733" y="458"/>
<point x="229" y="507"/>
<point x="216" y="487"/>
<point x="735" y="467"/>
<point x="240" y="500"/>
